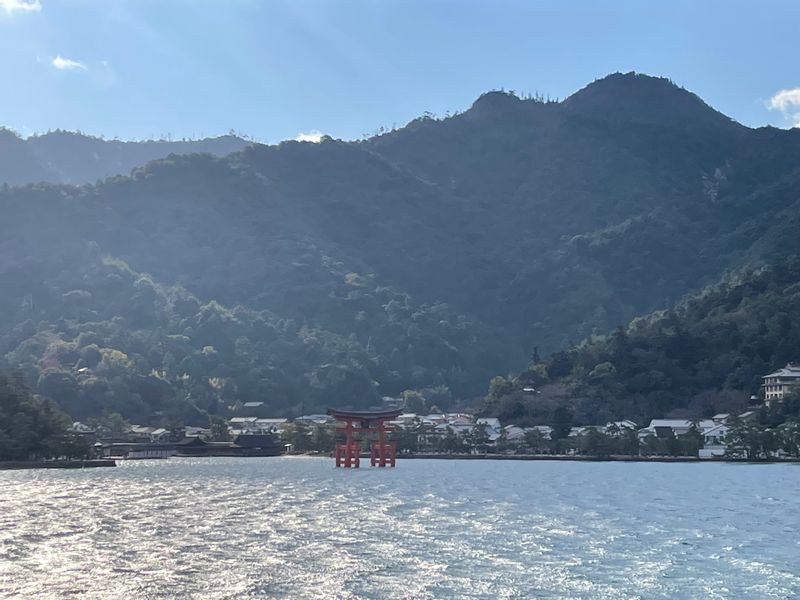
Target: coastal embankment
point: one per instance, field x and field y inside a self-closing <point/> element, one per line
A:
<point x="54" y="464"/>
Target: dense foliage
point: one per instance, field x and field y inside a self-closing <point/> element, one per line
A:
<point x="32" y="427"/>
<point x="773" y="429"/>
<point x="705" y="356"/>
<point x="433" y="256"/>
<point x="142" y="349"/>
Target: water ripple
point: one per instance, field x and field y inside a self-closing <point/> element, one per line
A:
<point x="298" y="528"/>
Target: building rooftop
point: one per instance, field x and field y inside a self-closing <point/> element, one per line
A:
<point x="791" y="371"/>
<point x="681" y="424"/>
<point x="243" y="420"/>
<point x="364" y="414"/>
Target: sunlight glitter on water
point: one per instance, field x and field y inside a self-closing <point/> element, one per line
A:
<point x="298" y="528"/>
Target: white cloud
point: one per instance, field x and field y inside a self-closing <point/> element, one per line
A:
<point x="11" y="6"/>
<point x="312" y="136"/>
<point x="66" y="64"/>
<point x="788" y="102"/>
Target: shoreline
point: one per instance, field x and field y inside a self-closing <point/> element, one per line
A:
<point x="15" y="465"/>
<point x="567" y="457"/>
<point x="583" y="458"/>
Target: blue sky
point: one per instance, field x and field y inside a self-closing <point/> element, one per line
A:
<point x="276" y="69"/>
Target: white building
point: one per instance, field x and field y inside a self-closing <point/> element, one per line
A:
<point x="271" y="425"/>
<point x="315" y="419"/>
<point x="714" y="444"/>
<point x="434" y="419"/>
<point x="243" y="425"/>
<point x="621" y="425"/>
<point x="776" y="385"/>
<point x="544" y="430"/>
<point x="491" y="426"/>
<point x="405" y="420"/>
<point x="491" y="422"/>
<point x="201" y="432"/>
<point x="514" y="434"/>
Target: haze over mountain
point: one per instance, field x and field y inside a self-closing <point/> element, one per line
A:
<point x="68" y="157"/>
<point x="433" y="256"/>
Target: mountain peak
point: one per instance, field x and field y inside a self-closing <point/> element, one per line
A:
<point x="496" y="99"/>
<point x="642" y="98"/>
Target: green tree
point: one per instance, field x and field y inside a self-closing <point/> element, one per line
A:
<point x="479" y="438"/>
<point x="691" y="441"/>
<point x="535" y="442"/>
<point x="219" y="430"/>
<point x="789" y="436"/>
<point x="500" y="386"/>
<point x="33" y="428"/>
<point x="562" y="422"/>
<point x="595" y="443"/>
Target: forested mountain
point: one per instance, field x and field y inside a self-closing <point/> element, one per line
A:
<point x="68" y="157"/>
<point x="705" y="356"/>
<point x="436" y="255"/>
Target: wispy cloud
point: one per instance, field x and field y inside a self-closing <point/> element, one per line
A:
<point x="67" y="64"/>
<point x="788" y="102"/>
<point x="312" y="136"/>
<point x="11" y="6"/>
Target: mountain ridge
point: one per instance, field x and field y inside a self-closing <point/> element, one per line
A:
<point x="438" y="254"/>
<point x="75" y="158"/>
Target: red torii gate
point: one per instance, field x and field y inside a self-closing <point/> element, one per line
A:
<point x="351" y="422"/>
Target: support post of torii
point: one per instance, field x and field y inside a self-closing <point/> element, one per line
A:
<point x="382" y="451"/>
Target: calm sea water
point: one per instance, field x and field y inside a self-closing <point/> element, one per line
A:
<point x="298" y="528"/>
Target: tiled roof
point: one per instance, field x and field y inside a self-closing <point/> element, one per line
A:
<point x="787" y="371"/>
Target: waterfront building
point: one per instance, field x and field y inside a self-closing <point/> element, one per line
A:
<point x="665" y="427"/>
<point x="242" y="445"/>
<point x="134" y="450"/>
<point x="714" y="444"/>
<point x="620" y="426"/>
<point x="776" y="385"/>
<point x="514" y="434"/>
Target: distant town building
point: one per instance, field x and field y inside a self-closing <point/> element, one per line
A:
<point x="714" y="442"/>
<point x="664" y="427"/>
<point x="776" y="385"/>
<point x="491" y="426"/>
<point x="315" y="419"/>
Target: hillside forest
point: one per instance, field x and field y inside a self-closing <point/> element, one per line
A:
<point x="628" y="251"/>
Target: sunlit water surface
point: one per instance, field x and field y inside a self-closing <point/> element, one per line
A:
<point x="298" y="528"/>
